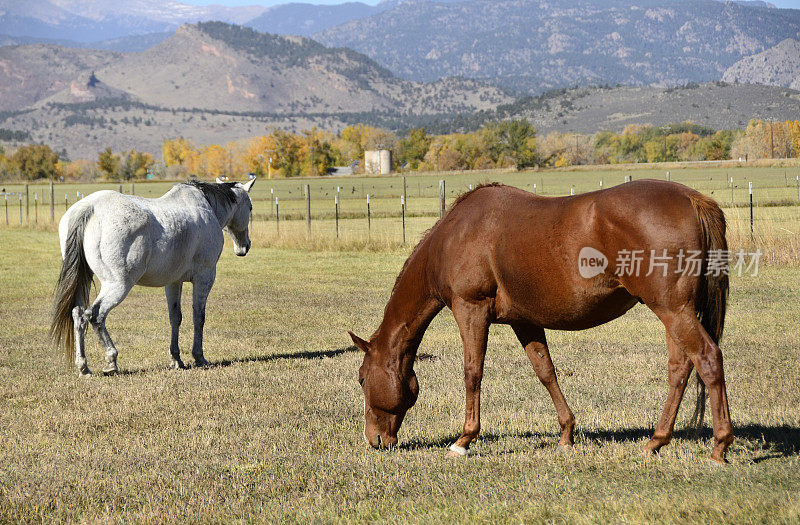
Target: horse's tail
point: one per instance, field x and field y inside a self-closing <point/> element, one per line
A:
<point x="73" y="285"/>
<point x="712" y="295"/>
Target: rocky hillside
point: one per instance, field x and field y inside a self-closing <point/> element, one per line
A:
<point x="777" y="66"/>
<point x="533" y="45"/>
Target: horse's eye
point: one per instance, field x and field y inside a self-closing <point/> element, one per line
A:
<point x="361" y="381"/>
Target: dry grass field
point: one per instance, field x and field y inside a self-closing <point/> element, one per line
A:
<point x="272" y="431"/>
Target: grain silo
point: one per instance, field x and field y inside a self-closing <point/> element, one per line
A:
<point x="378" y="162"/>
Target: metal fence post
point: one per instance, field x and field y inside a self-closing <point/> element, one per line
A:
<point x="277" y="217"/>
<point x="336" y="212"/>
<point x="52" y="203"/>
<point x="308" y="208"/>
<point x="35" y="208"/>
<point x="369" y="220"/>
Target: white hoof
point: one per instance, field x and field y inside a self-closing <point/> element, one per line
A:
<point x="458" y="452"/>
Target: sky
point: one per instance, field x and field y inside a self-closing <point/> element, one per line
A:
<point x="788" y="4"/>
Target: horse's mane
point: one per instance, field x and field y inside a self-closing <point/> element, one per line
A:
<point x="215" y="192"/>
<point x="430" y="230"/>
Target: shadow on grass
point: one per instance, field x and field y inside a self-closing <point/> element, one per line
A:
<point x="774" y="441"/>
<point x="255" y="359"/>
<point x="277" y="357"/>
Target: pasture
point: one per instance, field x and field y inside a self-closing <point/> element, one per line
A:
<point x="272" y="431"/>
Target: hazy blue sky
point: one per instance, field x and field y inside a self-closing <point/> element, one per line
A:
<point x="793" y="4"/>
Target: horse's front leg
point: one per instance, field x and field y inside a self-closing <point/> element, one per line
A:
<point x="202" y="284"/>
<point x="473" y="324"/>
<point x="173" y="292"/>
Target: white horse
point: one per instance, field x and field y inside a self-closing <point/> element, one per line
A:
<point x="126" y="240"/>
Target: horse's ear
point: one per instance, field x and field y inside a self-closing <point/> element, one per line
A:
<point x="219" y="181"/>
<point x="360" y="343"/>
<point x="248" y="185"/>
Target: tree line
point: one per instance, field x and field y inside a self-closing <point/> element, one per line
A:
<point x="502" y="144"/>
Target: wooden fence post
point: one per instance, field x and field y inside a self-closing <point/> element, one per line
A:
<point x="52" y="203"/>
<point x="441" y="198"/>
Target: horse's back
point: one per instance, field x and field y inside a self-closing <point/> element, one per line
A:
<point x="523" y="250"/>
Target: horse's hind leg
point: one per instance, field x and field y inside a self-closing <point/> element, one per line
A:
<point x="111" y="294"/>
<point x="680" y="366"/>
<point x="691" y="337"/>
<point x="533" y="339"/>
<point x="79" y="323"/>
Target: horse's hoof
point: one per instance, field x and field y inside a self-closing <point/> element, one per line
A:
<point x="458" y="452"/>
<point x="177" y="364"/>
<point x="717" y="462"/>
<point x="110" y="370"/>
<point x="201" y="363"/>
<point x="85" y="372"/>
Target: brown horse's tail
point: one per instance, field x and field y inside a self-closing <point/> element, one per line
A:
<point x="73" y="285"/>
<point x="712" y="295"/>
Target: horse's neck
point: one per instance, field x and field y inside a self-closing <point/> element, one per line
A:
<point x="223" y="210"/>
<point x="409" y="311"/>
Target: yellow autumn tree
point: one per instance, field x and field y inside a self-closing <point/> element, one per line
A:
<point x="177" y="151"/>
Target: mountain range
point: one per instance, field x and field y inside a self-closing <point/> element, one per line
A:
<point x="100" y="65"/>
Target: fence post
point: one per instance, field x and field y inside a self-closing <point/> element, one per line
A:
<point x="66" y="202"/>
<point x="277" y="217"/>
<point x="534" y="187"/>
<point x="27" y="206"/>
<point x="336" y="212"/>
<point x="601" y="184"/>
<point x="798" y="188"/>
<point x="751" y="210"/>
<point x="403" y="212"/>
<point x="441" y="198"/>
<point x="731" y="190"/>
<point x="133" y="188"/>
<point x="405" y="195"/>
<point x="572" y="190"/>
<point x="308" y="208"/>
<point x="369" y="220"/>
<point x="35" y="208"/>
<point x="120" y="188"/>
<point x="52" y="203"/>
<point x="20" y="210"/>
<point x="667" y="175"/>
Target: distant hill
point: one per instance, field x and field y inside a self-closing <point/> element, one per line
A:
<point x="777" y="66"/>
<point x="716" y="105"/>
<point x="535" y="45"/>
<point x="34" y="72"/>
<point x="217" y="66"/>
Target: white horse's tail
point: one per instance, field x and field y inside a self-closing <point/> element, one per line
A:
<point x="73" y="285"/>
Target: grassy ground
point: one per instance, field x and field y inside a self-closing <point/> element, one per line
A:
<point x="272" y="432"/>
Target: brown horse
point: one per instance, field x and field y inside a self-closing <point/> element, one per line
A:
<point x="503" y="255"/>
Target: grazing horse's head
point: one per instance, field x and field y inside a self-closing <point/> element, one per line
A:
<point x="390" y="390"/>
<point x="238" y="224"/>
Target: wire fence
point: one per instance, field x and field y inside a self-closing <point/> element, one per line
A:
<point x="760" y="203"/>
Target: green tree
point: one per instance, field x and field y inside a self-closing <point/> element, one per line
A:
<point x="108" y="163"/>
<point x="413" y="148"/>
<point x="515" y="139"/>
<point x="35" y="161"/>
